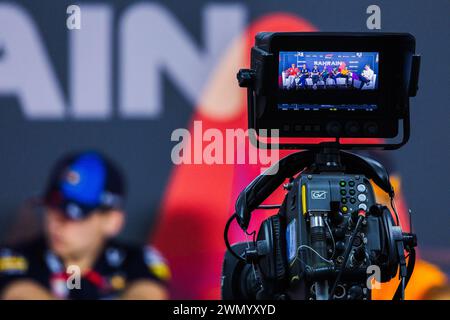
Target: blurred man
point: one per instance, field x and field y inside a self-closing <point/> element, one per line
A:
<point x="78" y="258"/>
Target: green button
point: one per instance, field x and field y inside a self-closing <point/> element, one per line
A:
<point x="351" y="183"/>
<point x="344" y="200"/>
<point x="352" y="192"/>
<point x="342" y="183"/>
<point x="352" y="200"/>
<point x="343" y="192"/>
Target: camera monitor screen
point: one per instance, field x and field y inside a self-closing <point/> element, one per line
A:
<point x="338" y="85"/>
<point x="307" y="70"/>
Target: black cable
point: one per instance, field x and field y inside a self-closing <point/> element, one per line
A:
<point x="269" y="206"/>
<point x="253" y="235"/>
<point x="395" y="211"/>
<point x="227" y="243"/>
<point x="399" y="293"/>
<point x="346" y="256"/>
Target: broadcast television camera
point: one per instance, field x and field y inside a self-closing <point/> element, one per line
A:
<point x="352" y="91"/>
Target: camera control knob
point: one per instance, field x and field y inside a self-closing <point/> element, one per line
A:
<point x="355" y="292"/>
<point x="362" y="197"/>
<point x="361" y="187"/>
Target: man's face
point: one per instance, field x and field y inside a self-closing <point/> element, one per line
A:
<point x="73" y="238"/>
<point x="366" y="67"/>
<point x="293" y="66"/>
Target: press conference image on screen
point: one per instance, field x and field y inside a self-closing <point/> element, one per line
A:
<point x="328" y="70"/>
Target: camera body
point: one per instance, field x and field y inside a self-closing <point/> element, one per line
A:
<point x="327" y="238"/>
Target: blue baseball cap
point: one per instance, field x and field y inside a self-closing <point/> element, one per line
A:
<point x="83" y="182"/>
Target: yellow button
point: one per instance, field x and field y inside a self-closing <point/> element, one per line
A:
<point x="344" y="209"/>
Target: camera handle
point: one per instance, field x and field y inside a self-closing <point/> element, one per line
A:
<point x="327" y="157"/>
